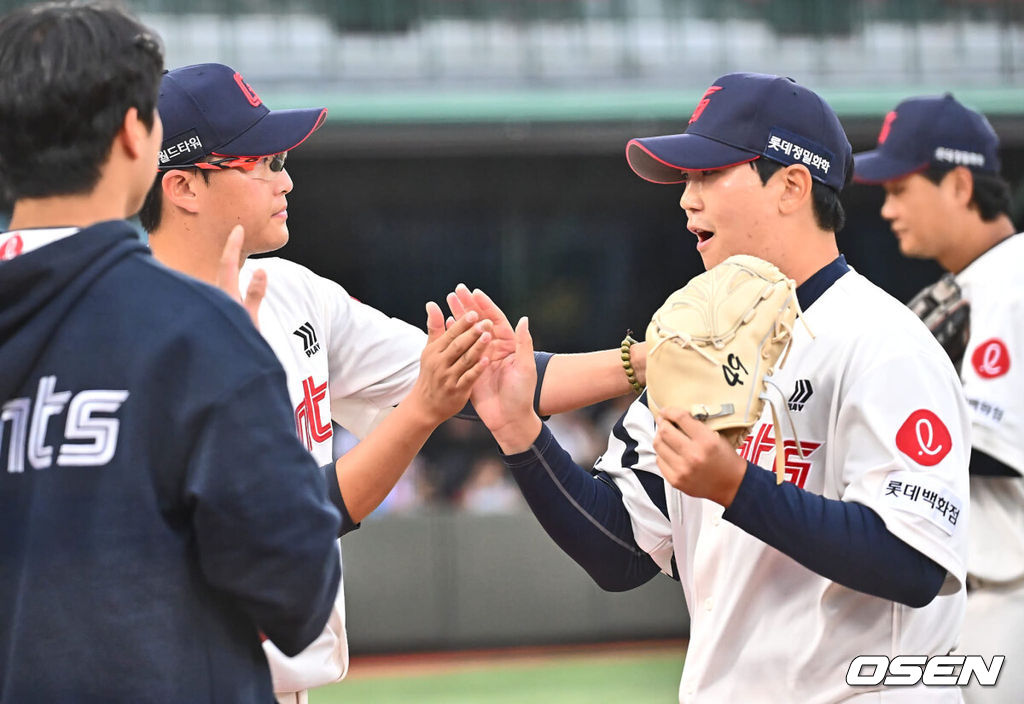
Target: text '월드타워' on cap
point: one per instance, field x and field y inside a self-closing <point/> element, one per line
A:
<point x="209" y="110"/>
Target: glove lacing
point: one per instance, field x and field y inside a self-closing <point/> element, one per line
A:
<point x="780" y="455"/>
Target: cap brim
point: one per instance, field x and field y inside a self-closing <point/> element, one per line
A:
<point x="876" y="167"/>
<point x="666" y="159"/>
<point x="277" y="131"/>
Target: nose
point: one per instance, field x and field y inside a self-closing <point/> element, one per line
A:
<point x="285" y="182"/>
<point x="690" y="199"/>
<point x="889" y="208"/>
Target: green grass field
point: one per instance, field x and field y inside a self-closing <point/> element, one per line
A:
<point x="625" y="677"/>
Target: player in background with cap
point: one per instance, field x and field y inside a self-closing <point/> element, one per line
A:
<point x="939" y="164"/>
<point x="222" y="165"/>
<point x="854" y="554"/>
<point x="156" y="513"/>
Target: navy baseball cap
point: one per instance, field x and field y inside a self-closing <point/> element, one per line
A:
<point x="929" y="130"/>
<point x="741" y="117"/>
<point x="209" y="109"/>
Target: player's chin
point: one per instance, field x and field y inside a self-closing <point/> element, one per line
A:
<point x="276" y="236"/>
<point x="908" y="248"/>
<point x="711" y="259"/>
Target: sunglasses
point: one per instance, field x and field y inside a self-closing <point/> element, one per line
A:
<point x="274" y="162"/>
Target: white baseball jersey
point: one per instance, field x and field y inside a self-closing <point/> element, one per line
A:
<point x="346" y="362"/>
<point x="879" y="412"/>
<point x="993" y="376"/>
<point x="993" y="383"/>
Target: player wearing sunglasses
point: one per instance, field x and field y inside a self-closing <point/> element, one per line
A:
<point x="222" y="165"/>
<point x="262" y="167"/>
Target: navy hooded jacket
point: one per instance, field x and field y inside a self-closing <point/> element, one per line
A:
<point x="156" y="509"/>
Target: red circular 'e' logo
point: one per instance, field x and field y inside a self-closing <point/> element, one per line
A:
<point x="11" y="248"/>
<point x="991" y="359"/>
<point x="924" y="438"/>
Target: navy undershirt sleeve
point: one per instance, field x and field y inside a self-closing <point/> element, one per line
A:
<point x="540" y="359"/>
<point x="843" y="541"/>
<point x="334" y="494"/>
<point x="583" y="514"/>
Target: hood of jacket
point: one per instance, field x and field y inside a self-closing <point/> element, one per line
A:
<point x="39" y="289"/>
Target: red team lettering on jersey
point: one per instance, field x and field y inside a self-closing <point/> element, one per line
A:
<point x="308" y="422"/>
<point x="761" y="442"/>
<point x="991" y="359"/>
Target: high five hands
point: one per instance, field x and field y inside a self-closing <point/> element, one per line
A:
<point x="692" y="457"/>
<point x="503" y="395"/>
<point x="452" y="361"/>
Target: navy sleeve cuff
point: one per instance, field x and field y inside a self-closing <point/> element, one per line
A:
<point x="540" y="359"/>
<point x="540" y="445"/>
<point x="334" y="494"/>
<point x="583" y="514"/>
<point x="843" y="541"/>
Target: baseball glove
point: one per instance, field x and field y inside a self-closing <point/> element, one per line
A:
<point x="713" y="342"/>
<point x="948" y="316"/>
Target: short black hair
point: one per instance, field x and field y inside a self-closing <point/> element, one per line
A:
<point x="828" y="209"/>
<point x="68" y="74"/>
<point x="152" y="207"/>
<point x="990" y="195"/>
<point x="149" y="215"/>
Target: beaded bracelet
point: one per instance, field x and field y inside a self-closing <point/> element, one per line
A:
<point x="627" y="365"/>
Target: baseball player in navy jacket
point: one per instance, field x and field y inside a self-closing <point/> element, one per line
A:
<point x="156" y="512"/>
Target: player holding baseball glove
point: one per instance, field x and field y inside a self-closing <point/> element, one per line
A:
<point x="736" y="318"/>
<point x="862" y="549"/>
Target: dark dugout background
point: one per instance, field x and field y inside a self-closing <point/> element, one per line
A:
<point x="547" y="219"/>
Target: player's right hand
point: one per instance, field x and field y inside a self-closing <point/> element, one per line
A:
<point x="227" y="276"/>
<point x="695" y="459"/>
<point x="503" y="397"/>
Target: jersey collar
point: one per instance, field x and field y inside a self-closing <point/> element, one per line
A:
<point x="16" y="242"/>
<point x="990" y="253"/>
<point x="809" y="291"/>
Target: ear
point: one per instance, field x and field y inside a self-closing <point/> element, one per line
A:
<point x="133" y="134"/>
<point x="796" y="184"/>
<point x="958" y="184"/>
<point x="179" y="187"/>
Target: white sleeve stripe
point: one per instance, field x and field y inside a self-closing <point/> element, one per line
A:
<point x="652" y="528"/>
<point x="652" y="484"/>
